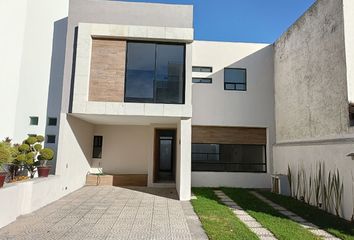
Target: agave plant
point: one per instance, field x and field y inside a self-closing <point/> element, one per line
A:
<point x="337" y="186"/>
<point x="309" y="194"/>
<point x="318" y="184"/>
<point x="290" y="180"/>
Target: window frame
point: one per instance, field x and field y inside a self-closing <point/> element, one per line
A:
<point x="201" y="80"/>
<point x="145" y="100"/>
<point x="265" y="164"/>
<point x="202" y="67"/>
<point x="235" y="84"/>
<point x="52" y="118"/>
<point x="34" y="117"/>
<point x="49" y="136"/>
<point x="97" y="146"/>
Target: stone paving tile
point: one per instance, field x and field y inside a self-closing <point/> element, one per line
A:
<point x="247" y="219"/>
<point x="302" y="222"/>
<point x="110" y="213"/>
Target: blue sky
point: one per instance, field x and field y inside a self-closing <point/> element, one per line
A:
<point x="242" y="20"/>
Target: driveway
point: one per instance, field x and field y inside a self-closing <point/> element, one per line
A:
<point x="110" y="213"/>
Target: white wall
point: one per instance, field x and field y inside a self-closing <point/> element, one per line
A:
<point x="333" y="154"/>
<point x="349" y="47"/>
<point x="126" y="149"/>
<point x="35" y="56"/>
<point x="12" y="22"/>
<point x="74" y="152"/>
<point x="229" y="179"/>
<point x="25" y="197"/>
<point x="214" y="106"/>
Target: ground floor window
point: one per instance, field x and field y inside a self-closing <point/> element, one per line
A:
<point x="228" y="158"/>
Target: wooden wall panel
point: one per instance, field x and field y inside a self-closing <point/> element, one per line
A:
<point x="228" y="135"/>
<point x="107" y="73"/>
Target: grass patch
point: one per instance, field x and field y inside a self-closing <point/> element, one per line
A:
<point x="339" y="227"/>
<point x="281" y="226"/>
<point x="218" y="221"/>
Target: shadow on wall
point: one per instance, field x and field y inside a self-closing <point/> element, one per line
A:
<point x="56" y="83"/>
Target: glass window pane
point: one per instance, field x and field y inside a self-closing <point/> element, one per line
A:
<point x="241" y="87"/>
<point x="140" y="74"/>
<point x="230" y="86"/>
<point x="202" y="69"/>
<point x="34" y="120"/>
<point x="233" y="75"/>
<point x="169" y="73"/>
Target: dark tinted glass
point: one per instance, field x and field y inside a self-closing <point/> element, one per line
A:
<point x="228" y="158"/>
<point x="155" y="73"/>
<point x="202" y="69"/>
<point x="201" y="80"/>
<point x="52" y="121"/>
<point x="169" y="73"/>
<point x="50" y="138"/>
<point x="33" y="120"/>
<point x="139" y="84"/>
<point x="97" y="147"/>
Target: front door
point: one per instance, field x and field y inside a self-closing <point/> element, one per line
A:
<point x="165" y="155"/>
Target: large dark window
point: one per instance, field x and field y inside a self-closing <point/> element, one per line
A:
<point x="97" y="147"/>
<point x="235" y="79"/>
<point x="155" y="73"/>
<point x="351" y="115"/>
<point x="228" y="158"/>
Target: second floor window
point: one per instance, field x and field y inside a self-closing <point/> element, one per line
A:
<point x="155" y="73"/>
<point x="235" y="79"/>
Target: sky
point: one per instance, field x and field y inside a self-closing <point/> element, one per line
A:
<point x="260" y="21"/>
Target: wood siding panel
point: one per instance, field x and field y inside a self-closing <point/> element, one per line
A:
<point x="107" y="72"/>
<point x="229" y="135"/>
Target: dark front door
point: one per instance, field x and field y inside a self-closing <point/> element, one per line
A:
<point x="165" y="144"/>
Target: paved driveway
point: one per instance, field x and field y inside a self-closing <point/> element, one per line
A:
<point x="110" y="213"/>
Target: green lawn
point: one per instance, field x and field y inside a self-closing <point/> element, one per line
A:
<point x="218" y="221"/>
<point x="281" y="226"/>
<point x="336" y="226"/>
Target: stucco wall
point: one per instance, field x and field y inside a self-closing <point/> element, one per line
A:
<point x="125" y="149"/>
<point x="311" y="96"/>
<point x="310" y="76"/>
<point x="214" y="106"/>
<point x="75" y="155"/>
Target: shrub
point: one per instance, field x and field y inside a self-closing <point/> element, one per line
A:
<point x="31" y="140"/>
<point x="46" y="154"/>
<point x="24" y="147"/>
<point x="40" y="138"/>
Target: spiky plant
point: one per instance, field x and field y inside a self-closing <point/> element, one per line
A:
<point x="337" y="191"/>
<point x="318" y="184"/>
<point x="290" y="181"/>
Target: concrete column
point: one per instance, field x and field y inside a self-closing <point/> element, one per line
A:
<point x="183" y="173"/>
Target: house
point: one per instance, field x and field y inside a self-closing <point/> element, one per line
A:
<point x="124" y="87"/>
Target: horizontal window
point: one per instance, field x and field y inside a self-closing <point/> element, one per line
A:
<point x="235" y="79"/>
<point x="228" y="158"/>
<point x="155" y="73"/>
<point x="202" y="69"/>
<point x="202" y="80"/>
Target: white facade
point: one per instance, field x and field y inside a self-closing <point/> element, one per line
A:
<point x="46" y="76"/>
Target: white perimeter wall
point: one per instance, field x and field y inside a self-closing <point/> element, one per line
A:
<point x="333" y="155"/>
<point x="213" y="106"/>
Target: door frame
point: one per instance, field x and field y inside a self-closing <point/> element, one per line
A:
<point x="157" y="152"/>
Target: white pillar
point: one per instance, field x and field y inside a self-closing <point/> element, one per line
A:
<point x="183" y="173"/>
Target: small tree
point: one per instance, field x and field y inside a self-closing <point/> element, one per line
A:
<point x="31" y="153"/>
<point x="6" y="153"/>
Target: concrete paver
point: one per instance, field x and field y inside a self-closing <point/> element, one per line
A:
<point x="110" y="213"/>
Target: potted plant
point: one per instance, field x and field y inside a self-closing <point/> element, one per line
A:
<point x="44" y="156"/>
<point x="5" y="158"/>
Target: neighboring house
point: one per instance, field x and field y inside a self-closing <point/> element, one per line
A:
<point x="123" y="86"/>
